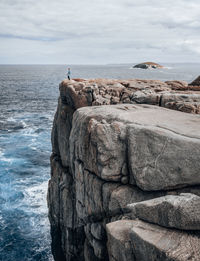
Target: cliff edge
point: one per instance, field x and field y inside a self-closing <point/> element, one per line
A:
<point x="125" y="180"/>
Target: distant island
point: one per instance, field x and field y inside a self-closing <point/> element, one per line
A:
<point x="148" y="65"/>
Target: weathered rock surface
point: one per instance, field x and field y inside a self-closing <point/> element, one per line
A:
<point x="66" y="232"/>
<point x="148" y="65"/>
<point x="181" y="212"/>
<point x="116" y="138"/>
<point x="105" y="157"/>
<point x="178" y="94"/>
<point x="186" y="102"/>
<point x="119" y="241"/>
<point x="139" y="241"/>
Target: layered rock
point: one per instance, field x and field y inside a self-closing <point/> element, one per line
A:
<point x="106" y="157"/>
<point x="173" y="211"/>
<point x="140" y="241"/>
<point x="177" y="95"/>
<point x="143" y="241"/>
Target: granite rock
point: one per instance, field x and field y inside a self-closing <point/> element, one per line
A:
<point x="105" y="157"/>
<point x="187" y="102"/>
<point x="151" y="242"/>
<point x="115" y="139"/>
<point x="173" y="211"/>
<point x="140" y="241"/>
<point x="119" y="243"/>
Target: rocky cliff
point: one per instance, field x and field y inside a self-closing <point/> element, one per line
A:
<point x="125" y="176"/>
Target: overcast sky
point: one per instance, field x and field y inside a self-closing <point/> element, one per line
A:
<point x="99" y="31"/>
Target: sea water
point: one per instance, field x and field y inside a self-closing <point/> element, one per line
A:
<point x="28" y="100"/>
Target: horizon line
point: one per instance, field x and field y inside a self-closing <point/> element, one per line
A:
<point x="71" y="64"/>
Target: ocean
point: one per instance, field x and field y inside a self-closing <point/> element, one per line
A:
<point x="28" y="101"/>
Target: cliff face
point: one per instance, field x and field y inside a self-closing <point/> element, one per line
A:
<point x="105" y="159"/>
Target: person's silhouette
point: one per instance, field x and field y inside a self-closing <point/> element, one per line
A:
<point x="68" y="74"/>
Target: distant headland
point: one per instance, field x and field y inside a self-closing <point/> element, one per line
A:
<point x="148" y="65"/>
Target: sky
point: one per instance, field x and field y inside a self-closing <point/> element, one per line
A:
<point x="99" y="31"/>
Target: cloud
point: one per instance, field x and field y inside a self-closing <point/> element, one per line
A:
<point x="41" y="31"/>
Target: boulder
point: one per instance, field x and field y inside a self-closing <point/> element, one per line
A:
<point x="146" y="97"/>
<point x="132" y="240"/>
<point x="141" y="84"/>
<point x="178" y="85"/>
<point x="152" y="242"/>
<point x="110" y="142"/>
<point x="185" y="102"/>
<point x="174" y="211"/>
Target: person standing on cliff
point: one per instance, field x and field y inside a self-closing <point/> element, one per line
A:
<point x="69" y="74"/>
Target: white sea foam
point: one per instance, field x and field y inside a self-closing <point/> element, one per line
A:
<point x="5" y="159"/>
<point x="11" y="119"/>
<point x="24" y="124"/>
<point x="34" y="197"/>
<point x="30" y="132"/>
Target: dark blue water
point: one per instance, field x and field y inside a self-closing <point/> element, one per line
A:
<point x="28" y="100"/>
